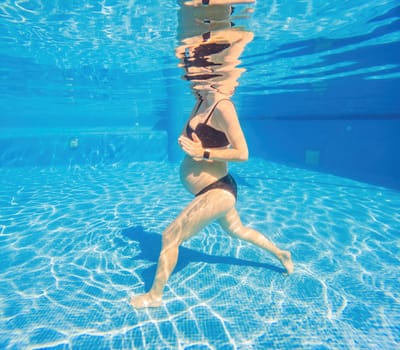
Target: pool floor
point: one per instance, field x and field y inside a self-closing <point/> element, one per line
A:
<point x="76" y="242"/>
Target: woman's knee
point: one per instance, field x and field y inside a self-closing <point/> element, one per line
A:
<point x="234" y="229"/>
<point x="240" y="232"/>
<point x="231" y="223"/>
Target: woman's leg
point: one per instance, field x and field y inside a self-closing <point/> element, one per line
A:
<point x="232" y="224"/>
<point x="201" y="211"/>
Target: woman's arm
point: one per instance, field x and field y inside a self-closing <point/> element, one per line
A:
<point x="225" y="119"/>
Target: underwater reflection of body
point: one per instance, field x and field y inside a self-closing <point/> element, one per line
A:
<point x="209" y="54"/>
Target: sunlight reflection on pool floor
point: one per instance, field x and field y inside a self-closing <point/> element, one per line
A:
<point x="76" y="243"/>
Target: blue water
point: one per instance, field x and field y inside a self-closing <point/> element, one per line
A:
<point x="91" y="101"/>
<point x="112" y="62"/>
<point x="75" y="244"/>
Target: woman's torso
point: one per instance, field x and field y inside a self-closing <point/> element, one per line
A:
<point x="197" y="174"/>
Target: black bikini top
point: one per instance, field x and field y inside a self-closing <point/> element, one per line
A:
<point x="209" y="136"/>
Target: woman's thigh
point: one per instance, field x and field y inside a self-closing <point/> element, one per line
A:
<point x="203" y="210"/>
<point x="230" y="222"/>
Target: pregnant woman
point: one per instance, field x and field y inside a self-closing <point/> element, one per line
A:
<point x="210" y="140"/>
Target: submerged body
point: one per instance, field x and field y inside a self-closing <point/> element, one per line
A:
<point x="215" y="197"/>
<point x="211" y="138"/>
<point x="197" y="174"/>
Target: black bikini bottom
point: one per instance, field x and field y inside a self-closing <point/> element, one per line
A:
<point x="226" y="183"/>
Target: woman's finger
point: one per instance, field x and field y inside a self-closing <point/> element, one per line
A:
<point x="196" y="138"/>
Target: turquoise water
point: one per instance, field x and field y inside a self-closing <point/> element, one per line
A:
<point x="77" y="242"/>
<point x="112" y="62"/>
<point x="91" y="103"/>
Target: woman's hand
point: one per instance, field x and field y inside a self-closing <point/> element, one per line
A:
<point x="193" y="148"/>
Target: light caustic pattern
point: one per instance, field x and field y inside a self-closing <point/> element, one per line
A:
<point x="138" y="35"/>
<point x="76" y="243"/>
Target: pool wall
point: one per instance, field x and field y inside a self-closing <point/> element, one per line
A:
<point x="360" y="149"/>
<point x="348" y="126"/>
<point x="364" y="150"/>
<point x="53" y="147"/>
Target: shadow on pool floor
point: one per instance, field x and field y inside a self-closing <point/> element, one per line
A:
<point x="150" y="246"/>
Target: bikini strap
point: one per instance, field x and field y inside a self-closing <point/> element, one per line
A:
<point x="213" y="109"/>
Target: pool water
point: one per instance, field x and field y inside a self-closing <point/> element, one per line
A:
<point x="91" y="105"/>
<point x="76" y="242"/>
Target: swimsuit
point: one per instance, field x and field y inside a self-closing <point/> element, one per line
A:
<point x="226" y="183"/>
<point x="211" y="137"/>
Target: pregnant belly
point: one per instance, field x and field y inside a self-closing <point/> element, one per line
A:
<point x="195" y="175"/>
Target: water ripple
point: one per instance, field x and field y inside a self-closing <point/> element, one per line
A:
<point x="75" y="243"/>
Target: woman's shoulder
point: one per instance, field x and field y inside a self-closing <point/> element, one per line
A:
<point x="225" y="113"/>
<point x="225" y="105"/>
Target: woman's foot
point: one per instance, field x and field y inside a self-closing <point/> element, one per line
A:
<point x="286" y="259"/>
<point x="144" y="300"/>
